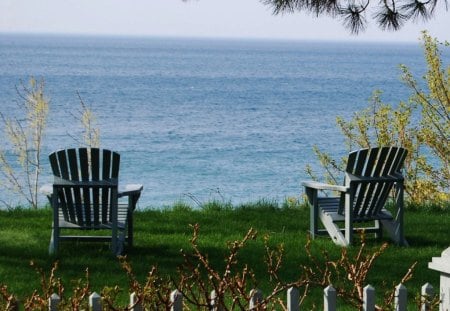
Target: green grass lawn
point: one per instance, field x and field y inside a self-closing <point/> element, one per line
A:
<point x="161" y="234"/>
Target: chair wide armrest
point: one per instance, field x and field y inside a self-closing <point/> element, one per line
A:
<point x="46" y="189"/>
<point x="322" y="186"/>
<point x="363" y="179"/>
<point x="131" y="190"/>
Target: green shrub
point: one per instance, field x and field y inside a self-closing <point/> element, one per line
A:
<point x="427" y="167"/>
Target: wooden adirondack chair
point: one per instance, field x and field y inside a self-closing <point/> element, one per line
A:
<point x="85" y="196"/>
<point x="372" y="175"/>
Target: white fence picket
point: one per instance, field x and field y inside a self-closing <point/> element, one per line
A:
<point x="135" y="305"/>
<point x="426" y="294"/>
<point x="176" y="298"/>
<point x="95" y="302"/>
<point x="369" y="298"/>
<point x="215" y="304"/>
<point x="329" y="298"/>
<point x="256" y="297"/>
<point x="400" y="298"/>
<point x="53" y="302"/>
<point x="293" y="299"/>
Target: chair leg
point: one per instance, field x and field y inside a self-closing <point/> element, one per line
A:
<point x="379" y="229"/>
<point x="314" y="212"/>
<point x="394" y="229"/>
<point x="130" y="229"/>
<point x="333" y="230"/>
<point x="54" y="241"/>
<point x="348" y="232"/>
<point x="348" y="218"/>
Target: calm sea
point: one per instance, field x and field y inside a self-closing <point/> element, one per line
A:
<point x="196" y="120"/>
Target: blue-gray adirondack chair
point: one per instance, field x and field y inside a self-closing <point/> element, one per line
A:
<point x="85" y="196"/>
<point x="371" y="177"/>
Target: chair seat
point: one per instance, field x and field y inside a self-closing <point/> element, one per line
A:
<point x="330" y="207"/>
<point x="121" y="221"/>
<point x="70" y="225"/>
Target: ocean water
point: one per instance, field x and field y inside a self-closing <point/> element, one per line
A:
<point x="196" y="120"/>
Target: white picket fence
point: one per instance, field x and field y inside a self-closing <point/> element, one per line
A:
<point x="293" y="299"/>
<point x="440" y="264"/>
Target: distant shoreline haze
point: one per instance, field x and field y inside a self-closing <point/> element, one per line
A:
<point x="231" y="120"/>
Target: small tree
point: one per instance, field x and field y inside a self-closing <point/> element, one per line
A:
<point x="434" y="131"/>
<point x="427" y="180"/>
<point x="90" y="132"/>
<point x="25" y="137"/>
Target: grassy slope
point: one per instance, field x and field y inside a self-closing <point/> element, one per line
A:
<point x="24" y="236"/>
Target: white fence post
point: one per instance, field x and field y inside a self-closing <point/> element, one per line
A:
<point x="215" y="303"/>
<point x="176" y="298"/>
<point x="255" y="298"/>
<point x="53" y="302"/>
<point x="442" y="264"/>
<point x="369" y="298"/>
<point x="135" y="305"/>
<point x="293" y="299"/>
<point x="329" y="298"/>
<point x="95" y="302"/>
<point x="426" y="294"/>
<point x="400" y="297"/>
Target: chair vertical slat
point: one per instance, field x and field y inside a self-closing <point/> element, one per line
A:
<point x="95" y="164"/>
<point x="63" y="167"/>
<point x="115" y="165"/>
<point x="361" y="156"/>
<point x="375" y="188"/>
<point x="54" y="165"/>
<point x="395" y="160"/>
<point x="384" y="188"/>
<point x="106" y="174"/>
<point x="351" y="162"/>
<point x="370" y="162"/>
<point x="95" y="176"/>
<point x="106" y="169"/>
<point x="351" y="168"/>
<point x="74" y="175"/>
<point x="84" y="170"/>
<point x="65" y="194"/>
<point x="366" y="159"/>
<point x="53" y="158"/>
<point x="397" y="163"/>
<point x="390" y="161"/>
<point x="84" y="164"/>
<point x="73" y="164"/>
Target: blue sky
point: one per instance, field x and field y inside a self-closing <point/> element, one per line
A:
<point x="195" y="18"/>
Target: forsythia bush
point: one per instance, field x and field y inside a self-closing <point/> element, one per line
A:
<point x="427" y="168"/>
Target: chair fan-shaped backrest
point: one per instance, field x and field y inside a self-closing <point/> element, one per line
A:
<point x="91" y="174"/>
<point x="379" y="168"/>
